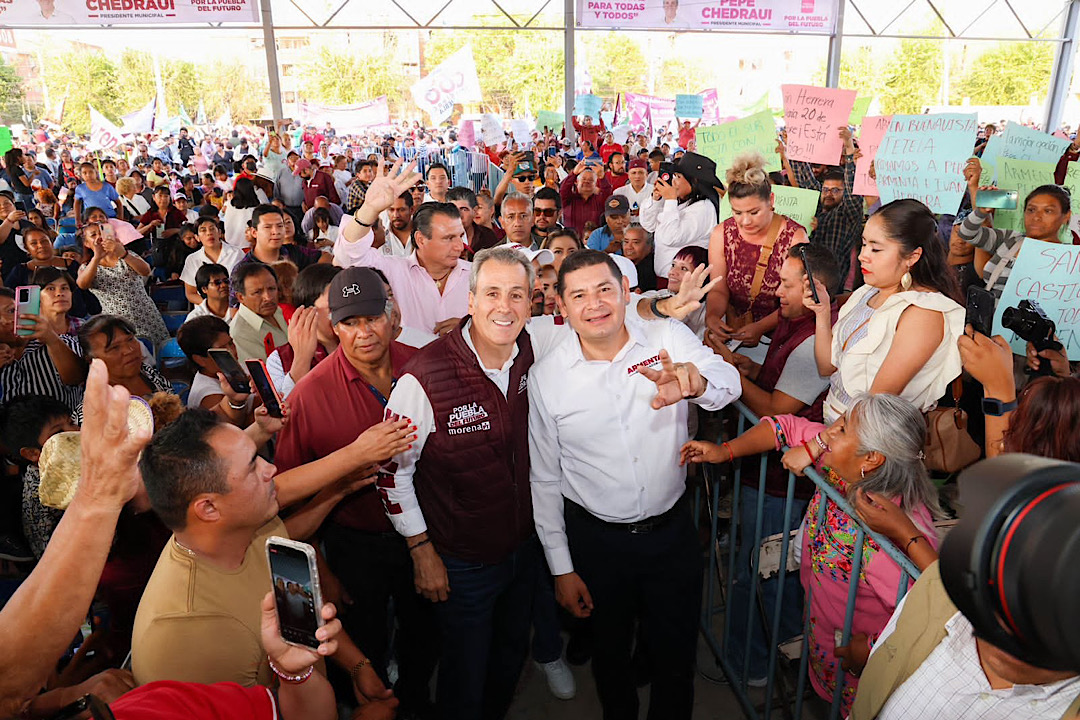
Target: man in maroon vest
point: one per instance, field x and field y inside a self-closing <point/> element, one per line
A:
<point x="787" y="382"/>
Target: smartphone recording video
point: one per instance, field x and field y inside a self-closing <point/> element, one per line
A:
<point x="297" y="595"/>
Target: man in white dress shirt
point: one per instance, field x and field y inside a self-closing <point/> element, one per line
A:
<point x="607" y="416"/>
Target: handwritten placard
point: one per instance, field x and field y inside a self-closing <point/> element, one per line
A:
<point x="870" y="137"/>
<point x="813" y="117"/>
<point x="923" y="156"/>
<point x="1023" y="176"/>
<point x="520" y="130"/>
<point x="1048" y="273"/>
<point x="551" y="120"/>
<point x="491" y="130"/>
<point x="859" y="110"/>
<point x="756" y="133"/>
<point x="689" y="106"/>
<point x="588" y="105"/>
<point x="1019" y="142"/>
<point x="798" y="204"/>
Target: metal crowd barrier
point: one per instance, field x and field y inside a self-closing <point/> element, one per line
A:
<point x="736" y="680"/>
<point x="468" y="169"/>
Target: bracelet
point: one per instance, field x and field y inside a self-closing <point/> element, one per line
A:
<point x="294" y="679"/>
<point x="655" y="307"/>
<point x="360" y="222"/>
<point x="914" y="539"/>
<point x="806" y="446"/>
<point x="422" y="543"/>
<point x="731" y="453"/>
<point x="357" y="668"/>
<point x="241" y="406"/>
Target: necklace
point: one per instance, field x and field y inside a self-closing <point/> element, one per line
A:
<point x="183" y="547"/>
<point x="441" y="282"/>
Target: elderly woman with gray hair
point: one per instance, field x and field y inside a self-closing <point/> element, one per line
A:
<point x="873" y="455"/>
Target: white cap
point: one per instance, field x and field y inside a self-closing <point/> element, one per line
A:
<point x="544" y="256"/>
<point x="627" y="268"/>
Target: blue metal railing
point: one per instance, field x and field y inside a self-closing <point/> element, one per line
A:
<point x="738" y="680"/>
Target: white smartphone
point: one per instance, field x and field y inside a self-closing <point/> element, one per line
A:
<point x="297" y="593"/>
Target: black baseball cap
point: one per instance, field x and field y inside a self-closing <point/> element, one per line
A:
<point x="617" y="205"/>
<point x="356" y="291"/>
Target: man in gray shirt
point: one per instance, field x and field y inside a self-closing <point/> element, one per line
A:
<point x="289" y="189"/>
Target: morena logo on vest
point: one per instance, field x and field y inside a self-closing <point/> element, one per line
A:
<point x="464" y="415"/>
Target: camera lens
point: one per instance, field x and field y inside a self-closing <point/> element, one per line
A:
<point x="1010" y="563"/>
<point x="1009" y="317"/>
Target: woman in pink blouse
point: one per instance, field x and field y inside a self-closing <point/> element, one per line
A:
<point x="873" y="456"/>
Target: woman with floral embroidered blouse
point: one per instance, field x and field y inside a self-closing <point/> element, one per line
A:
<point x="873" y="455"/>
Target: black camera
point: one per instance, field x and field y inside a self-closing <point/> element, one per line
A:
<point x="1031" y="323"/>
<point x="1010" y="564"/>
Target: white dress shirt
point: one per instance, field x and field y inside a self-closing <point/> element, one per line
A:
<point x="410" y="401"/>
<point x="228" y="257"/>
<point x="422" y="305"/>
<point x="595" y="439"/>
<point x="676" y="226"/>
<point x="951" y="685"/>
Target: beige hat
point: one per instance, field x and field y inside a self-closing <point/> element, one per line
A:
<point x="60" y="463"/>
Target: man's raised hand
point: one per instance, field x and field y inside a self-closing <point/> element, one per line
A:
<point x="385" y="188"/>
<point x="674" y="381"/>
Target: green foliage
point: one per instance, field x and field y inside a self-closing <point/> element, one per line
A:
<point x="1009" y="74"/>
<point x="912" y="77"/>
<point x="681" y="75"/>
<point x="11" y="94"/>
<point x="338" y="77"/>
<point x="233" y="87"/>
<point x="85" y="78"/>
<point x="517" y="70"/>
<point x="615" y="63"/>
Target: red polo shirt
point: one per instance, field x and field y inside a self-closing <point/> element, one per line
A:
<point x="330" y="407"/>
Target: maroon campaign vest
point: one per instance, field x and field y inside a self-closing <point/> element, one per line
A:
<point x="789" y="334"/>
<point x="472" y="479"/>
<point x="287" y="354"/>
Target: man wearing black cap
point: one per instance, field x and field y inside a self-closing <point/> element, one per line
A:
<point x="334" y="404"/>
<point x="608" y="238"/>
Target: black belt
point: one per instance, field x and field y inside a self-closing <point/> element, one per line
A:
<point x="640" y="527"/>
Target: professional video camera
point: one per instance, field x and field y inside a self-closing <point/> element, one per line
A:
<point x="1011" y="563"/>
<point x="1031" y="323"/>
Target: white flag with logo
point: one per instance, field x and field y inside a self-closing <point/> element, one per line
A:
<point x="103" y="134"/>
<point x="453" y="81"/>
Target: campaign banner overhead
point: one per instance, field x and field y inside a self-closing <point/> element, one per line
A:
<point x="127" y="12"/>
<point x="348" y="118"/>
<point x="801" y="16"/>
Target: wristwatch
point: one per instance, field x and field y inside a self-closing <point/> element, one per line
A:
<point x="997" y="408"/>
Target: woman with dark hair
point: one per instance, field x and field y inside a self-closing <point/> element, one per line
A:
<point x="1046" y="209"/>
<point x="238" y="210"/>
<point x="117" y="276"/>
<point x="747" y="250"/>
<point x="18" y="177"/>
<point x="46" y="362"/>
<point x="325" y="233"/>
<point x="163" y="221"/>
<point x="42" y="254"/>
<point x="112" y="339"/>
<point x="561" y="242"/>
<point x="897" y="333"/>
<point x="681" y="212"/>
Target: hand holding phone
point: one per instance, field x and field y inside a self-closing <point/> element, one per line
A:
<point x="27" y="302"/>
<point x="294" y="576"/>
<point x="980" y="310"/>
<point x="995" y="199"/>
<point x="230" y="368"/>
<point x="265" y="387"/>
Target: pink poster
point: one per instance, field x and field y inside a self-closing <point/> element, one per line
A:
<point x="813" y="117"/>
<point x="661" y="112"/>
<point x="870" y="136"/>
<point x="467" y="134"/>
<point x="710" y="107"/>
<point x="638" y="108"/>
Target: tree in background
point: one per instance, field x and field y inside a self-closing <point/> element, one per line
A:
<point x="11" y="94"/>
<point x="339" y="77"/>
<point x="1008" y="75"/>
<point x="517" y="70"/>
<point x="86" y="78"/>
<point x="616" y="64"/>
<point x="232" y="87"/>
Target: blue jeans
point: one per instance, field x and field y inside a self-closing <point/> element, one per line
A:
<point x="547" y="637"/>
<point x="485" y="625"/>
<point x="742" y="602"/>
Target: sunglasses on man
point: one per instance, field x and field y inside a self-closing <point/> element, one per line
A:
<point x="546" y="212"/>
<point x="525" y="178"/>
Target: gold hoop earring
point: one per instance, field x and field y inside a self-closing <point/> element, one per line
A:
<point x="905" y="281"/>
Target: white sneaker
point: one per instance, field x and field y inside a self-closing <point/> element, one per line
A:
<point x="559" y="679"/>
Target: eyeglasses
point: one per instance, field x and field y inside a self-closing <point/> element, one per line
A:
<point x="420" y="188"/>
<point x="832" y="191"/>
<point x="220" y="282"/>
<point x="546" y="212"/>
<point x="525" y="178"/>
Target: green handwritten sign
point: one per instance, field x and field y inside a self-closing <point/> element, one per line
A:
<point x="797" y="203"/>
<point x="723" y="143"/>
<point x="1022" y="176"/>
<point x="5" y="139"/>
<point x="1048" y="273"/>
<point x="858" y="112"/>
<point x="549" y="119"/>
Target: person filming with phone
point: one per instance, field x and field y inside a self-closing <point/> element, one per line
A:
<point x="1047" y="210"/>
